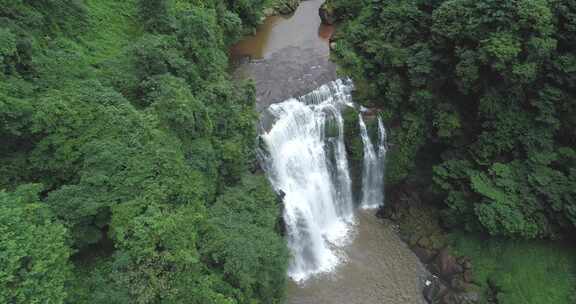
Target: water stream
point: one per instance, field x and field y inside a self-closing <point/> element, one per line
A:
<point x="373" y="166"/>
<point x="305" y="159"/>
<point x="302" y="29"/>
<point x="340" y="254"/>
<point x="288" y="57"/>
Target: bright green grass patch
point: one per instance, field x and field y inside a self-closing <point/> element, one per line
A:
<point x="113" y="25"/>
<point x="523" y="272"/>
<point x="108" y="29"/>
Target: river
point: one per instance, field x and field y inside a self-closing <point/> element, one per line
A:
<point x="289" y="55"/>
<point x="363" y="259"/>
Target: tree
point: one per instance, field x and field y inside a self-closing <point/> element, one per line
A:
<point x="127" y="115"/>
<point x="480" y="91"/>
<point x="155" y="15"/>
<point x="244" y="241"/>
<point x="33" y="250"/>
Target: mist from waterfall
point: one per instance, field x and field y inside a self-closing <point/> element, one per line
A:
<point x="304" y="155"/>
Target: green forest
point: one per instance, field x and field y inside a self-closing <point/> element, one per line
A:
<point x="480" y="97"/>
<point x="126" y="156"/>
<point x="489" y="88"/>
<point x="128" y="171"/>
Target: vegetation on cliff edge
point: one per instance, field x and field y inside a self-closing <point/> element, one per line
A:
<point x="480" y="97"/>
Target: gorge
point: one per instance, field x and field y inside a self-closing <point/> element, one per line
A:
<point x="242" y="152"/>
<point x="341" y="253"/>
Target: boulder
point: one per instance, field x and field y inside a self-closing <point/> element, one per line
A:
<point x="332" y="46"/>
<point x="449" y="298"/>
<point x="269" y="12"/>
<point x="447" y="265"/>
<point x="425" y="255"/>
<point x="467" y="264"/>
<point x="434" y="290"/>
<point x="425" y="242"/>
<point x="458" y="284"/>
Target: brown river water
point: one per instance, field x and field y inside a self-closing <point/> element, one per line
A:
<point x="289" y="56"/>
<point x="302" y="29"/>
<point x="380" y="268"/>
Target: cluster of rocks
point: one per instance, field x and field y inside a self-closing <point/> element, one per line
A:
<point x="452" y="279"/>
<point x="453" y="282"/>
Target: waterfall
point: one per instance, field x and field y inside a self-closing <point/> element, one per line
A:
<point x="304" y="156"/>
<point x="373" y="166"/>
<point x="382" y="142"/>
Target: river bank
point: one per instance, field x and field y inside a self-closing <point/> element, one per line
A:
<point x="479" y="268"/>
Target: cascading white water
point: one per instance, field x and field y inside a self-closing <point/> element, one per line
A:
<point x="373" y="166"/>
<point x="382" y="142"/>
<point x="305" y="158"/>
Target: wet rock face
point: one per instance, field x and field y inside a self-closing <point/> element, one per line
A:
<point x="453" y="278"/>
<point x="424" y="254"/>
<point x="457" y="291"/>
<point x="447" y="264"/>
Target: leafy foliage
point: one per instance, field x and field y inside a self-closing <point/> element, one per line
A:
<point x="125" y="113"/>
<point x="488" y="83"/>
<point x="248" y="214"/>
<point x="34" y="251"/>
<point x="520" y="271"/>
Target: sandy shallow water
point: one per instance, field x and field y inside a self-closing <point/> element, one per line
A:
<point x="380" y="269"/>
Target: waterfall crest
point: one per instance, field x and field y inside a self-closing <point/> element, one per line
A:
<point x="304" y="156"/>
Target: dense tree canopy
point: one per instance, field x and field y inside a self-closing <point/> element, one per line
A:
<point x="34" y="251"/>
<point x="487" y="86"/>
<point x="122" y="116"/>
